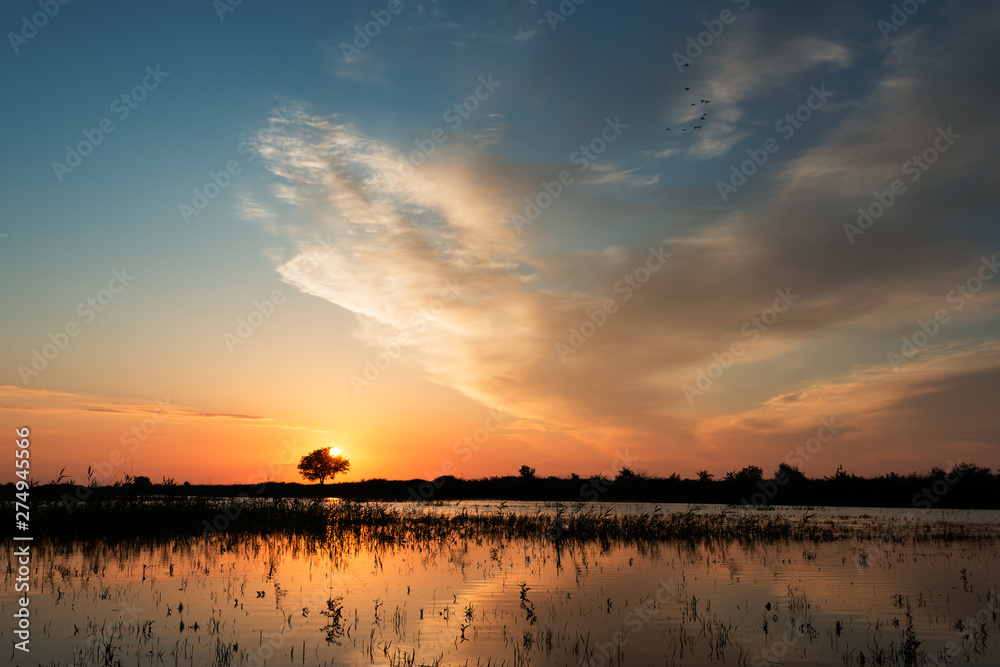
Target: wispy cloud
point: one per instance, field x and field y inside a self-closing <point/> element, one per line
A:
<point x="399" y="236"/>
<point x="525" y="35"/>
<point x="614" y="175"/>
<point x="748" y="64"/>
<point x="19" y="399"/>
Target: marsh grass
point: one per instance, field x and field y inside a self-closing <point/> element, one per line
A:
<point x="371" y="522"/>
<point x="135" y="594"/>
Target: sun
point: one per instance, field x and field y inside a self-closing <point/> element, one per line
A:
<point x="334" y="451"/>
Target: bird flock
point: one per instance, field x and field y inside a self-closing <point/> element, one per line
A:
<point x="702" y="117"/>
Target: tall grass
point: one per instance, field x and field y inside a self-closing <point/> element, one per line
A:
<point x="348" y="521"/>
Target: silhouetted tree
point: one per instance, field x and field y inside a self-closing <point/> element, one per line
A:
<point x="789" y="472"/>
<point x="842" y="475"/>
<point x="705" y="476"/>
<point x="971" y="471"/>
<point x="320" y="464"/>
<point x="527" y="472"/>
<point x="143" y="482"/>
<point x="748" y="474"/>
<point x="626" y="474"/>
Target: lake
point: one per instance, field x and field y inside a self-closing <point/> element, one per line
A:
<point x="884" y="586"/>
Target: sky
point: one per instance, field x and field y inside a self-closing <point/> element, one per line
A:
<point x="455" y="238"/>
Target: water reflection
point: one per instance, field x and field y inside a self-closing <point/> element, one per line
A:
<point x="347" y="599"/>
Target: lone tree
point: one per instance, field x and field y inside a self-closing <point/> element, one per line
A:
<point x="320" y="464"/>
<point x="527" y="472"/>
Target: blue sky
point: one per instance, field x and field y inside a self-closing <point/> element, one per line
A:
<point x="327" y="208"/>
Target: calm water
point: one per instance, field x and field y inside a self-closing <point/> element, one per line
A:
<point x="296" y="601"/>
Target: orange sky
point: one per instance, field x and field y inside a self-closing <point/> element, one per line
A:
<point x="392" y="247"/>
<point x="164" y="438"/>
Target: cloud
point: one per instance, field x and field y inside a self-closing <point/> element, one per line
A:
<point x="405" y="239"/>
<point x="931" y="410"/>
<point x="525" y="35"/>
<point x="614" y="175"/>
<point x="398" y="237"/>
<point x="748" y="64"/>
<point x="19" y="399"/>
